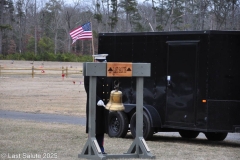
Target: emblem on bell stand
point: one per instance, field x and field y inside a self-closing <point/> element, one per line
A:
<point x="115" y="100"/>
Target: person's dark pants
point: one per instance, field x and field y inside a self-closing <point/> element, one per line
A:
<point x="100" y="140"/>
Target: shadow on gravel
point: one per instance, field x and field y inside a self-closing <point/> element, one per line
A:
<point x="197" y="141"/>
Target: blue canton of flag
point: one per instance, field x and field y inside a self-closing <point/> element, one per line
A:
<point x="86" y="27"/>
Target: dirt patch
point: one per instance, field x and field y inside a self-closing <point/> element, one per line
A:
<point x="44" y="93"/>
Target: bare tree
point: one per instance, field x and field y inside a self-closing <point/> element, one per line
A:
<point x="220" y="9"/>
<point x="54" y="7"/>
<point x="68" y="16"/>
<point x="53" y="20"/>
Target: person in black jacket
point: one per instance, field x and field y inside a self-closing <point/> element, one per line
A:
<point x="103" y="90"/>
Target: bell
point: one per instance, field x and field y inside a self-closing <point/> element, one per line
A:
<point x="115" y="102"/>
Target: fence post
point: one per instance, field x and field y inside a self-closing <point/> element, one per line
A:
<point x="66" y="72"/>
<point x="32" y="71"/>
<point x="62" y="70"/>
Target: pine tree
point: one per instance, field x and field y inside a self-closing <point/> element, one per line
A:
<point x="114" y="14"/>
<point x="6" y="16"/>
<point x="132" y="15"/>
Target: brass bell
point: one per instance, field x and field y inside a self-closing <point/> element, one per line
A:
<point x="115" y="102"/>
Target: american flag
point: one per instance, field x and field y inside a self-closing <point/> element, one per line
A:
<point x="82" y="32"/>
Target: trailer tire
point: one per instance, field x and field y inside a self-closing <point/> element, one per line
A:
<point x="216" y="136"/>
<point x="147" y="129"/>
<point x="188" y="134"/>
<point x="117" y="124"/>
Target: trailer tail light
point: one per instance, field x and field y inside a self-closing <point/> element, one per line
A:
<point x="204" y="101"/>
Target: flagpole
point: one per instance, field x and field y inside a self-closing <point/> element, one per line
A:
<point x="92" y="41"/>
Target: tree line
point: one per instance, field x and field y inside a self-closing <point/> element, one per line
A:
<point x="40" y="28"/>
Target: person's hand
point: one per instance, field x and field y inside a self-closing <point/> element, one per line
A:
<point x="100" y="103"/>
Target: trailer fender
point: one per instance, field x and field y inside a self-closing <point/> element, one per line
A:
<point x="129" y="107"/>
<point x="150" y="110"/>
<point x="153" y="115"/>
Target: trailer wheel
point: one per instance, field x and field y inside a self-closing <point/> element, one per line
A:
<point x="216" y="136"/>
<point x="117" y="124"/>
<point x="147" y="129"/>
<point x="188" y="134"/>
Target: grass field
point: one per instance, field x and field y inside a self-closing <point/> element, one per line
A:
<point x="65" y="142"/>
<point x="21" y="139"/>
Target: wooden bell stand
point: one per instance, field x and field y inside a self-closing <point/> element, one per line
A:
<point x="138" y="148"/>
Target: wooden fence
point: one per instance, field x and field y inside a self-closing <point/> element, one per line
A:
<point x="64" y="72"/>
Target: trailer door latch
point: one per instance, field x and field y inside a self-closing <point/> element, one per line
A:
<point x="168" y="80"/>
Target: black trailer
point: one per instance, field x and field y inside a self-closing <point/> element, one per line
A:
<point x="194" y="85"/>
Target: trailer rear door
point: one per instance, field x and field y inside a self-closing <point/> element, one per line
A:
<point x="181" y="83"/>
